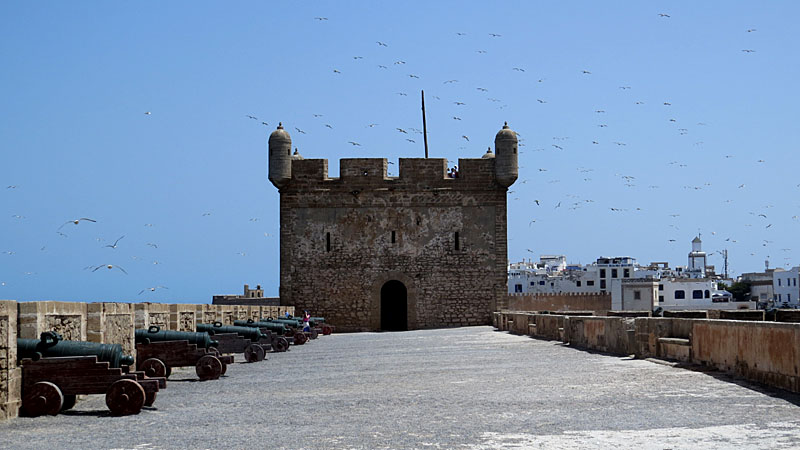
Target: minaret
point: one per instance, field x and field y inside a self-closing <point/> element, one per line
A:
<point x="505" y="149"/>
<point x="697" y="259"/>
<point x="280" y="157"/>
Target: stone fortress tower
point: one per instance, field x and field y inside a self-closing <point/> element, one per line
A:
<point x="371" y="252"/>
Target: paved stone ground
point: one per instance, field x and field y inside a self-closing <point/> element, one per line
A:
<point x="470" y="388"/>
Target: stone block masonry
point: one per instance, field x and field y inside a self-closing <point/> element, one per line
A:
<point x="764" y="352"/>
<point x="10" y="374"/>
<point x="112" y="323"/>
<point x="374" y="252"/>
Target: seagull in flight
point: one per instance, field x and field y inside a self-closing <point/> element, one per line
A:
<point x="152" y="289"/>
<point x="663" y="15"/>
<point x="114" y="245"/>
<point x="465" y="137"/>
<point x="318" y="18"/>
<point x="251" y="117"/>
<point x="76" y="221"/>
<point x="494" y="35"/>
<point x="381" y="44"/>
<point x="109" y="267"/>
<point x="354" y="143"/>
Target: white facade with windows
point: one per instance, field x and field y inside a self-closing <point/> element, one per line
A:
<point x="786" y="289"/>
<point x="693" y="293"/>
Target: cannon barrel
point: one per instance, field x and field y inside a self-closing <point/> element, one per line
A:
<point x="271" y="326"/>
<point x="254" y="334"/>
<point x="51" y="344"/>
<point x="294" y="323"/>
<point x="155" y="334"/>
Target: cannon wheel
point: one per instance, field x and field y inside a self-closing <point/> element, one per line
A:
<point x="300" y="338"/>
<point x="326" y="330"/>
<point x="169" y="371"/>
<point x="149" y="398"/>
<point x="125" y="397"/>
<point x="224" y="368"/>
<point x="314" y="333"/>
<point x="208" y="367"/>
<point x="254" y="353"/>
<point x="154" y="367"/>
<point x="69" y="402"/>
<point x="281" y="344"/>
<point x="43" y="397"/>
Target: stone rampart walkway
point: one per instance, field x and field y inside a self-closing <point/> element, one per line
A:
<point x="458" y="388"/>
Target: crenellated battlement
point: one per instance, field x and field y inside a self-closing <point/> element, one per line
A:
<point x="374" y="171"/>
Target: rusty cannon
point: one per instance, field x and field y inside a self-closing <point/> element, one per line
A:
<point x="286" y="334"/>
<point x="157" y="358"/>
<point x="51" y="384"/>
<point x="232" y="339"/>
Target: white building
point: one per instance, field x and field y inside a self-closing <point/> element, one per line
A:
<point x="761" y="289"/>
<point x="694" y="293"/>
<point x="785" y="288"/>
<point x="552" y="275"/>
<point x="697" y="260"/>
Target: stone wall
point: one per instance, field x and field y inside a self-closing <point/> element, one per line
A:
<point x="65" y="318"/>
<point x="764" y="352"/>
<point x="148" y="314"/>
<point x="182" y="317"/>
<point x="559" y="302"/>
<point x="343" y="239"/>
<point x="112" y="323"/>
<point x="605" y="334"/>
<point x="10" y="374"/>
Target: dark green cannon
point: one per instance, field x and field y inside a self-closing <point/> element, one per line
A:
<point x="155" y="334"/>
<point x="50" y="344"/>
<point x="278" y="328"/>
<point x="294" y="323"/>
<point x="254" y="334"/>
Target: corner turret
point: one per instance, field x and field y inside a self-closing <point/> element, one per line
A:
<point x="505" y="149"/>
<point x="280" y="157"/>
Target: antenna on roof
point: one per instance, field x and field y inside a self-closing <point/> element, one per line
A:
<point x="424" y="125"/>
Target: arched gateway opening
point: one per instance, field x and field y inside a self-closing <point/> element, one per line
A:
<point x="394" y="306"/>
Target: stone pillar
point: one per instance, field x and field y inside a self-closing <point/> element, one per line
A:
<point x="10" y="374"/>
<point x="182" y="317"/>
<point x="112" y="323"/>
<point x="66" y="318"/>
<point x="152" y="314"/>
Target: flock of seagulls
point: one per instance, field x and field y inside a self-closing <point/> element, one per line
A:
<point x="462" y="99"/>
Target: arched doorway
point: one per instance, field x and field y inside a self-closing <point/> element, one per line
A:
<point x="394" y="306"/>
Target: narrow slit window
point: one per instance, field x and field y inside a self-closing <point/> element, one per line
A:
<point x="457" y="242"/>
<point x="327" y="242"/>
<point x="394" y="237"/>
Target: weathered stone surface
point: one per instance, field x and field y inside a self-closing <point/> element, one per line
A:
<point x="10" y="394"/>
<point x="560" y="302"/>
<point x="444" y="239"/>
<point x="66" y="318"/>
<point x="112" y="323"/>
<point x="182" y="317"/>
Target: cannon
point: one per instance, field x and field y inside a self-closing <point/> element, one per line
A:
<point x="154" y="334"/>
<point x="289" y="334"/>
<point x="254" y="334"/>
<point x="159" y="357"/>
<point x="51" y="344"/>
<point x="297" y="326"/>
<point x="233" y="343"/>
<point x="279" y="334"/>
<point x="55" y="372"/>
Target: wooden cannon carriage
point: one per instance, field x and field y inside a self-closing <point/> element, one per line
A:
<point x="51" y="385"/>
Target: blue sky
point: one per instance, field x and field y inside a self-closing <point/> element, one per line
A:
<point x="693" y="134"/>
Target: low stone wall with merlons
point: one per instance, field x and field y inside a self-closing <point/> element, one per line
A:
<point x="10" y="374"/>
<point x="102" y="322"/>
<point x="764" y="352"/>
